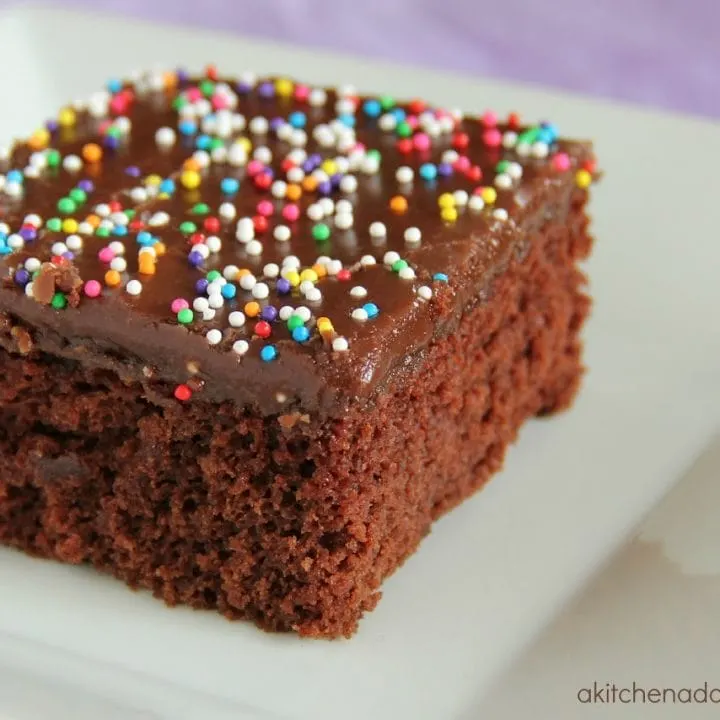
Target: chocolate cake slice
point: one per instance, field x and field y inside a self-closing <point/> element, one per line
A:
<point x="256" y="335"/>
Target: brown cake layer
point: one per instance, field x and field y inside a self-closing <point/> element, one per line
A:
<point x="289" y="519"/>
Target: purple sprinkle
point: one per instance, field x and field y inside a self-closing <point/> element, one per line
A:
<point x="445" y="169"/>
<point x="316" y="158"/>
<point x="195" y="259"/>
<point x="28" y="233"/>
<point x="243" y="88"/>
<point x="308" y="166"/>
<point x="86" y="186"/>
<point x="133" y="171"/>
<point x="269" y="313"/>
<point x="266" y="90"/>
<point x="182" y="75"/>
<point x="110" y="142"/>
<point x="52" y="125"/>
<point x="335" y="180"/>
<point x="276" y="123"/>
<point x="282" y="286"/>
<point x="22" y="277"/>
<point x="324" y="187"/>
<point x="201" y="286"/>
<point x="69" y="255"/>
<point x="269" y="172"/>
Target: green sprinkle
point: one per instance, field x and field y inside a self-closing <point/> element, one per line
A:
<point x="403" y="129"/>
<point x="102" y="232"/>
<point x="213" y="275"/>
<point x="502" y="166"/>
<point x="78" y="196"/>
<point x="216" y="143"/>
<point x="399" y="265"/>
<point x="188" y="227"/>
<point x="185" y="316"/>
<point x="375" y="154"/>
<point x="130" y="213"/>
<point x="113" y="132"/>
<point x="179" y="102"/>
<point x="54" y="224"/>
<point x="387" y="102"/>
<point x="321" y="232"/>
<point x="207" y="88"/>
<point x="294" y="321"/>
<point x="58" y="301"/>
<point x="66" y="206"/>
<point x="53" y="158"/>
<point x="200" y="209"/>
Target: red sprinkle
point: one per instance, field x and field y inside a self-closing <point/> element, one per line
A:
<point x="262" y="181"/>
<point x="460" y="141"/>
<point x="211" y="72"/>
<point x="590" y="165"/>
<point x="416" y="106"/>
<point x="513" y="121"/>
<point x="136" y="225"/>
<point x="115" y="206"/>
<point x="263" y="329"/>
<point x="474" y="173"/>
<point x="260" y="224"/>
<point x="197" y="238"/>
<point x="344" y="274"/>
<point x="211" y="224"/>
<point x="183" y="393"/>
<point x="57" y="259"/>
<point x="404" y="145"/>
<point x="286" y="165"/>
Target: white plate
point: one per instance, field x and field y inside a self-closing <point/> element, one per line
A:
<point x="493" y="572"/>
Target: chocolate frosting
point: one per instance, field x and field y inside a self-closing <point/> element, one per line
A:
<point x="139" y="335"/>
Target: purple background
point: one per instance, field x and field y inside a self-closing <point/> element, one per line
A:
<point x="663" y="53"/>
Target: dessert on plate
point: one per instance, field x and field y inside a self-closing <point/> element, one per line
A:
<point x="257" y="335"/>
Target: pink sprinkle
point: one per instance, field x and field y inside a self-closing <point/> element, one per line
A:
<point x="92" y="288"/>
<point x="118" y="105"/>
<point x="489" y="119"/>
<point x="106" y="255"/>
<point x="194" y="94"/>
<point x="254" y="167"/>
<point x="462" y="163"/>
<point x="104" y="126"/>
<point x="492" y="138"/>
<point x="302" y="92"/>
<point x="478" y="190"/>
<point x="179" y="304"/>
<point x="265" y="207"/>
<point x="412" y="121"/>
<point x="561" y="162"/>
<point x="291" y="212"/>
<point x="421" y="141"/>
<point x="219" y="102"/>
<point x="359" y="147"/>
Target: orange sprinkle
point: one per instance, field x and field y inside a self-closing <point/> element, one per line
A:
<point x="39" y="140"/>
<point x="398" y="204"/>
<point x="293" y="192"/>
<point x="191" y="164"/>
<point x="92" y="152"/>
<point x="309" y="184"/>
<point x="252" y="309"/>
<point x="112" y="278"/>
<point x="170" y="80"/>
<point x="242" y="273"/>
<point x="146" y="264"/>
<point x="325" y="327"/>
<point x="320" y="270"/>
<point x="93" y="220"/>
<point x="159" y="248"/>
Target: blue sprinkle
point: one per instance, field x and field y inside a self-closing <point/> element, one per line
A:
<point x="551" y="131"/>
<point x="187" y="127"/>
<point x="203" y="142"/>
<point x="167" y="186"/>
<point x="111" y="142"/>
<point x="399" y="114"/>
<point x="371" y="309"/>
<point x="15" y="176"/>
<point x="268" y="353"/>
<point x="120" y="230"/>
<point x="114" y="85"/>
<point x="428" y="171"/>
<point x="229" y="185"/>
<point x="372" y="108"/>
<point x="545" y="135"/>
<point x="5" y="250"/>
<point x="301" y="334"/>
<point x="144" y="238"/>
<point x="228" y="291"/>
<point x="297" y="119"/>
<point x="440" y="277"/>
<point x="347" y="120"/>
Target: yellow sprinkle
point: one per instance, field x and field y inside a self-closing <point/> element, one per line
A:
<point x="293" y="192"/>
<point x="39" y="140"/>
<point x="489" y="195"/>
<point x="320" y="270"/>
<point x="159" y="248"/>
<point x="308" y="274"/>
<point x="252" y="309"/>
<point x="583" y="179"/>
<point x="153" y="180"/>
<point x="70" y="225"/>
<point x="329" y="167"/>
<point x="446" y="200"/>
<point x="112" y="278"/>
<point x="284" y="87"/>
<point x="246" y="144"/>
<point x="325" y="327"/>
<point x="67" y="117"/>
<point x="292" y="276"/>
<point x="449" y="214"/>
<point x="163" y="196"/>
<point x="190" y="179"/>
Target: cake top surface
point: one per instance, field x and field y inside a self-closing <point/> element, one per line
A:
<point x="262" y="239"/>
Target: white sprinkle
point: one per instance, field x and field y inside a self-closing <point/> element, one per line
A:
<point x="450" y="156"/>
<point x="348" y="184"/>
<point x="282" y="233"/>
<point x="227" y="211"/>
<point x="367" y="261"/>
<point x="98" y="103"/>
<point x="214" y="243"/>
<point x="158" y="219"/>
<point x="327" y="205"/>
<point x="240" y="347"/>
<point x="216" y="285"/>
<point x="298" y="138"/>
<point x="32" y="219"/>
<point x="58" y="248"/>
<point x="407" y="273"/>
<point x="303" y="313"/>
<point x="123" y="124"/>
<point x="208" y="315"/>
<point x="138" y="195"/>
<point x="271" y="270"/>
<point x="29" y="289"/>
<point x="236" y="319"/>
<point x="285" y="312"/>
<point x="247" y="281"/>
<point x="134" y="287"/>
<point x="342" y="164"/>
<point x="390" y="257"/>
<point x="165" y="137"/>
<point x="317" y="97"/>
<point x="461" y="198"/>
<point x="200" y="304"/>
<point x="358" y="292"/>
<point x="359" y="314"/>
<point x="313" y="295"/>
<point x="514" y="170"/>
<point x="278" y="189"/>
<point x="38" y="160"/>
<point x="15" y="241"/>
<point x="323" y="135"/>
<point x="500" y="214"/>
<point x="509" y="139"/>
<point x="291" y="262"/>
<point x="306" y="285"/>
<point x="147" y="251"/>
<point x="106" y="224"/>
<point x="213" y="336"/>
<point x="284" y="132"/>
<point x="215" y="300"/>
<point x="295" y="175"/>
<point x="31" y="172"/>
<point x="117" y="247"/>
<point x="202" y="250"/>
<point x="237" y="155"/>
<point x="119" y="264"/>
<point x="120" y="218"/>
<point x="523" y="149"/>
<point x="4" y="153"/>
<point x="424" y="292"/>
<point x="245" y="229"/>
<point x="202" y="158"/>
<point x="344" y="221"/>
<point x="85" y="228"/>
<point x="503" y="181"/>
<point x="254" y="248"/>
<point x="259" y="125"/>
<point x="540" y="149"/>
<point x="404" y="175"/>
<point x="334" y="267"/>
<point x="476" y="203"/>
<point x="446" y="124"/>
<point x="72" y="163"/>
<point x="260" y="291"/>
<point x="378" y="230"/>
<point x="315" y="212"/>
<point x="263" y="154"/>
<point x="4" y="228"/>
<point x="32" y="264"/>
<point x="297" y="156"/>
<point x="387" y="122"/>
<point x="343" y="206"/>
<point x="370" y="164"/>
<point x="340" y="344"/>
<point x="413" y="235"/>
<point x="345" y="106"/>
